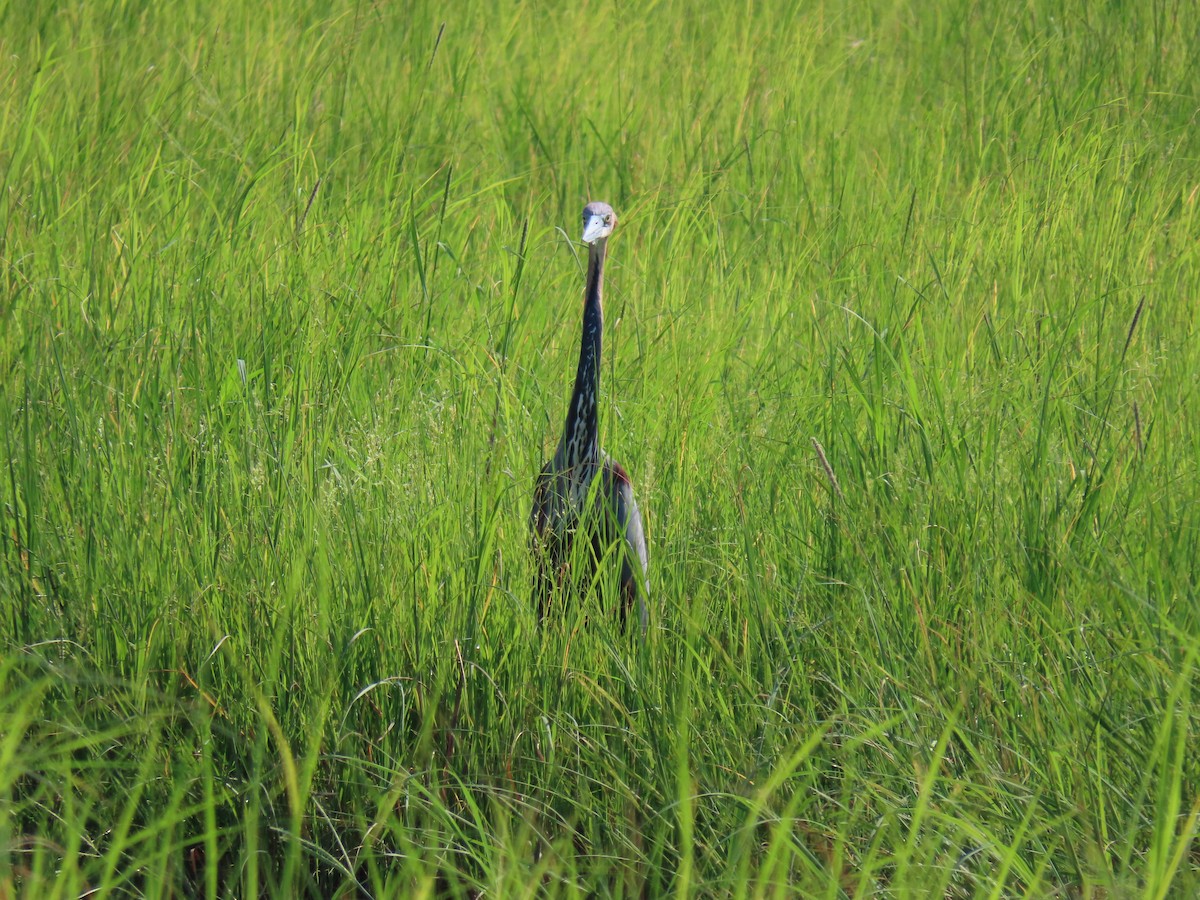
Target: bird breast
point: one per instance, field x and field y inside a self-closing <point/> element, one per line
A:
<point x="569" y="497"/>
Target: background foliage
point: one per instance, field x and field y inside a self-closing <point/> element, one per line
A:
<point x="901" y="353"/>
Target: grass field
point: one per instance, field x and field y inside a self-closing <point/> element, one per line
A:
<point x="902" y="353"/>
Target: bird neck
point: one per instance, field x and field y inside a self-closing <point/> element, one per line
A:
<point x="581" y="437"/>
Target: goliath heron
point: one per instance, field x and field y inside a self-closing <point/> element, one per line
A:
<point x="581" y="490"/>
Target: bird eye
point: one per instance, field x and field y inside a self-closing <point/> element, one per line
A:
<point x="607" y="219"/>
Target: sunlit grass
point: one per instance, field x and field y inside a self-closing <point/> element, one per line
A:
<point x="901" y="353"/>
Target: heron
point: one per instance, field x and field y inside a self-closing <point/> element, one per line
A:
<point x="582" y="492"/>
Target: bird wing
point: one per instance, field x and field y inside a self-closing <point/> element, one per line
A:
<point x="539" y="513"/>
<point x="629" y="524"/>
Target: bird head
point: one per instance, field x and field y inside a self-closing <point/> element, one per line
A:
<point x="598" y="222"/>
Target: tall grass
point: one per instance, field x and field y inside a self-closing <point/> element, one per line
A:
<point x="902" y="353"/>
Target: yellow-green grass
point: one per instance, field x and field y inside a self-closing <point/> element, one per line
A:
<point x="902" y="354"/>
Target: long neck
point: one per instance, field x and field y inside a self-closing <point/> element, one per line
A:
<point x="581" y="437"/>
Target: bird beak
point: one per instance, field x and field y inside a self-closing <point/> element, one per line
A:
<point x="594" y="229"/>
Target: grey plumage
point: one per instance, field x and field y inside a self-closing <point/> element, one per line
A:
<point x="569" y="499"/>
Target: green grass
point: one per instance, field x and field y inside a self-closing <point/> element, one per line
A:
<point x="902" y="352"/>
